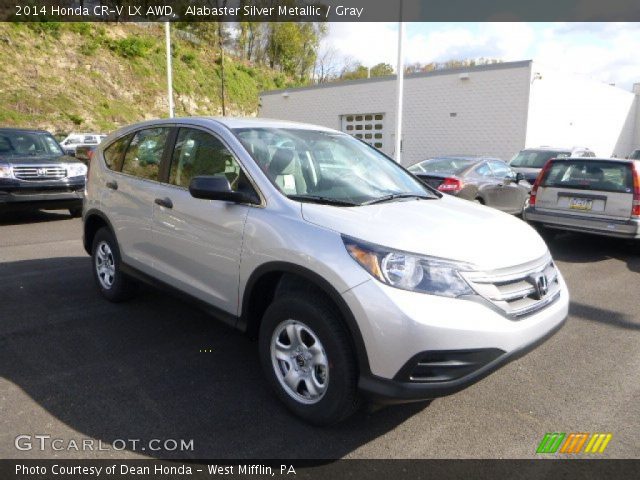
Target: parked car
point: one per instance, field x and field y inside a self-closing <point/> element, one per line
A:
<point x="530" y="161"/>
<point x="35" y="173"/>
<point x="635" y="155"/>
<point x="600" y="196"/>
<point x="85" y="152"/>
<point x="359" y="282"/>
<point x="484" y="180"/>
<point x="74" y="140"/>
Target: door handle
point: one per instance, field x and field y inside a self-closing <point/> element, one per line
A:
<point x="164" y="202"/>
<point x="112" y="184"/>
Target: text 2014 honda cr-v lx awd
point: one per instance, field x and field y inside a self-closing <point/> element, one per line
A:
<point x="357" y="279"/>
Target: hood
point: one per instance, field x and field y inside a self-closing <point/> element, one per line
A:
<point x="448" y="228"/>
<point x="31" y="160"/>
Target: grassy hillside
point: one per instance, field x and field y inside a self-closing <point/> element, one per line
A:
<point x="97" y="77"/>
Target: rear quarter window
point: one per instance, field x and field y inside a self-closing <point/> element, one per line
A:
<point x="590" y="175"/>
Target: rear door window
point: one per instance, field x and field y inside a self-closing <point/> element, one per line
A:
<point x="145" y="152"/>
<point x="590" y="175"/>
<point x="484" y="170"/>
<point x="114" y="153"/>
<point x="500" y="169"/>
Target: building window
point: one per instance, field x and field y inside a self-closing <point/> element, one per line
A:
<point x="369" y="121"/>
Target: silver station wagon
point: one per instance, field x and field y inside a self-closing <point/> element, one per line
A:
<point x="600" y="196"/>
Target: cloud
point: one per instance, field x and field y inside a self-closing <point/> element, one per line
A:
<point x="372" y="43"/>
<point x="369" y="43"/>
<point x="603" y="51"/>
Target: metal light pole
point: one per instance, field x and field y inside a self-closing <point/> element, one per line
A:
<point x="400" y="88"/>
<point x="167" y="34"/>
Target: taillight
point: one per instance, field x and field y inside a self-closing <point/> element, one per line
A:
<point x="451" y="185"/>
<point x="635" y="205"/>
<point x="539" y="180"/>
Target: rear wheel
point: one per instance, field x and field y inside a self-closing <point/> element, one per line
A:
<point x="113" y="284"/>
<point x="306" y="354"/>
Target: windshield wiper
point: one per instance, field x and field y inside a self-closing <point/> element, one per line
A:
<point x="320" y="199"/>
<point x="394" y="196"/>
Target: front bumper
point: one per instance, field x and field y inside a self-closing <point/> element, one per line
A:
<point x="67" y="193"/>
<point x="423" y="346"/>
<point x="629" y="229"/>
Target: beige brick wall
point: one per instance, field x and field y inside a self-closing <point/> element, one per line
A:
<point x="489" y="107"/>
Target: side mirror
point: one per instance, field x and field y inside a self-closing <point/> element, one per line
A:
<point x="520" y="177"/>
<point x="82" y="153"/>
<point x="217" y="187"/>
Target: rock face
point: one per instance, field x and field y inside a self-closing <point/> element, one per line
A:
<point x="99" y="77"/>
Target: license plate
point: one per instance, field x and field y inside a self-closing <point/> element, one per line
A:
<point x="580" y="203"/>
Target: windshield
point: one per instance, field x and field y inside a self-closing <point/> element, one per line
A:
<point x="448" y="166"/>
<point x="536" y="158"/>
<point x="328" y="167"/>
<point x="28" y="144"/>
<point x="635" y="155"/>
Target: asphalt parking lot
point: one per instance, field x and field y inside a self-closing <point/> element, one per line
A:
<point x="74" y="367"/>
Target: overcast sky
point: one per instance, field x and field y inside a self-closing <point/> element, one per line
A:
<point x="609" y="52"/>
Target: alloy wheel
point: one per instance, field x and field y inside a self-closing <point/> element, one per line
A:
<point x="299" y="361"/>
<point x="105" y="265"/>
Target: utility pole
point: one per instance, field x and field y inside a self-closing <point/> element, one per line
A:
<point x="167" y="34"/>
<point x="399" y="88"/>
<point x="220" y="43"/>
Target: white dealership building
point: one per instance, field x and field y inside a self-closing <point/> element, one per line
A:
<point x="492" y="110"/>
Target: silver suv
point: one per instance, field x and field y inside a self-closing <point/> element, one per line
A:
<point x="358" y="280"/>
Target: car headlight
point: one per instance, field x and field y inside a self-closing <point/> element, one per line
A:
<point x="76" y="169"/>
<point x="5" y="171"/>
<point x="407" y="271"/>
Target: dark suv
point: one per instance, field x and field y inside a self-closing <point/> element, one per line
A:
<point x="529" y="162"/>
<point x="35" y="173"/>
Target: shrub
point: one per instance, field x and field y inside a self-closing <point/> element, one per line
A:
<point x="47" y="28"/>
<point x="188" y="58"/>
<point x="76" y="119"/>
<point x="131" y="47"/>
<point x="82" y="28"/>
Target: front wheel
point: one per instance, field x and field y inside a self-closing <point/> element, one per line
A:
<point x="306" y="354"/>
<point x="75" y="212"/>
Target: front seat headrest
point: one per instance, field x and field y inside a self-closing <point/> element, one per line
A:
<point x="281" y="159"/>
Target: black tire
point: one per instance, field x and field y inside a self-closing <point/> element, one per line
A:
<point x="75" y="212"/>
<point x="341" y="398"/>
<point x="121" y="287"/>
<point x="479" y="201"/>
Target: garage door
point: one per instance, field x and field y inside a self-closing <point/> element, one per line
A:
<point x="365" y="126"/>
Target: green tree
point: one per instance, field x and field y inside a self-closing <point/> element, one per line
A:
<point x="381" y="70"/>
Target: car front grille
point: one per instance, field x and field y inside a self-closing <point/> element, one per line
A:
<point x="519" y="291"/>
<point x="39" y="172"/>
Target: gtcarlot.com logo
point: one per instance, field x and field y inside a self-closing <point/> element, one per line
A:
<point x="47" y="442"/>
<point x="574" y="443"/>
